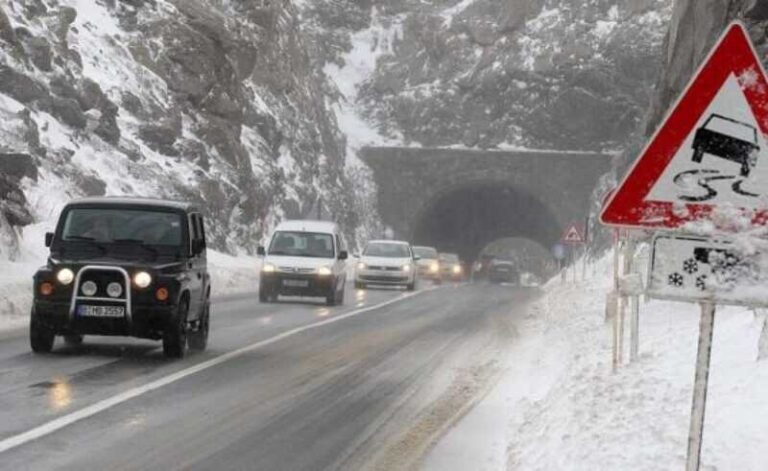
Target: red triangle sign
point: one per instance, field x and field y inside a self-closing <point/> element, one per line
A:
<point x="572" y="235"/>
<point x="711" y="152"/>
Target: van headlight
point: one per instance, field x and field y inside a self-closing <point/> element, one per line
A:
<point x="268" y="268"/>
<point x="407" y="267"/>
<point x="434" y="267"/>
<point x="324" y="271"/>
<point x="457" y="269"/>
<point x="65" y="276"/>
<point x="142" y="279"/>
<point x="361" y="266"/>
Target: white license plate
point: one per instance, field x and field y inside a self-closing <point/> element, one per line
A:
<point x="296" y="283"/>
<point x="100" y="311"/>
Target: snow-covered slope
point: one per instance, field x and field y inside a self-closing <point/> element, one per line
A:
<point x="216" y="101"/>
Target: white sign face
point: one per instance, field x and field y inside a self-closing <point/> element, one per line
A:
<point x="691" y="268"/>
<point x="723" y="161"/>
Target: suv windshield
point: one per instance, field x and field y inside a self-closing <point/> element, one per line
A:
<point x="108" y="225"/>
<point x="302" y="244"/>
<point x="387" y="250"/>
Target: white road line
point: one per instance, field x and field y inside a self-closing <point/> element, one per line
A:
<point x="65" y="420"/>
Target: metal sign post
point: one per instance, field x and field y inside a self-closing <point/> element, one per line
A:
<point x="706" y="328"/>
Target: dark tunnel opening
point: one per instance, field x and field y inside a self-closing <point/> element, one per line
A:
<point x="465" y="220"/>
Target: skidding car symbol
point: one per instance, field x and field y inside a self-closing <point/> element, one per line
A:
<point x="725" y="146"/>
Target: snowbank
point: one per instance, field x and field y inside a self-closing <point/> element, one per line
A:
<point x="559" y="406"/>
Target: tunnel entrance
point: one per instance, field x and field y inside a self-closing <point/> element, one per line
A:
<point x="466" y="219"/>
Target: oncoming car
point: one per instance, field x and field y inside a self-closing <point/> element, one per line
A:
<point x="386" y="262"/>
<point x="128" y="267"/>
<point x="503" y="271"/>
<point x="450" y="266"/>
<point x="428" y="263"/>
<point x="304" y="258"/>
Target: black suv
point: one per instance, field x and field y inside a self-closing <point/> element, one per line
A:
<point x="124" y="266"/>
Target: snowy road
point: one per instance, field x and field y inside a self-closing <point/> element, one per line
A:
<point x="369" y="391"/>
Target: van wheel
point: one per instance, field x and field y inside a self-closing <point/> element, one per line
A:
<point x="359" y="285"/>
<point x="411" y="286"/>
<point x="198" y="340"/>
<point x="175" y="335"/>
<point x="73" y="340"/>
<point x="41" y="337"/>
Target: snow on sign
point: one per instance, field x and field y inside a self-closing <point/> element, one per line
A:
<point x="710" y="154"/>
<point x="572" y="235"/>
<point x="692" y="268"/>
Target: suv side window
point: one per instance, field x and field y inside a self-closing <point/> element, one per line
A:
<point x="193" y="233"/>
<point x="201" y="229"/>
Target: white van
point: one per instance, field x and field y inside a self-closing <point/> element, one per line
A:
<point x="304" y="258"/>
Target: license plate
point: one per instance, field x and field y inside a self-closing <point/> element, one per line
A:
<point x="296" y="283"/>
<point x="100" y="311"/>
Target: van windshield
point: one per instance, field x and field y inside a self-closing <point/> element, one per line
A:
<point x="302" y="244"/>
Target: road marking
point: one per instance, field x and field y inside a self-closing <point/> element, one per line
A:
<point x="65" y="420"/>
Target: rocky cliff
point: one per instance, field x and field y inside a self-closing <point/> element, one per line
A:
<point x="564" y="74"/>
<point x="218" y="101"/>
<point x="694" y="28"/>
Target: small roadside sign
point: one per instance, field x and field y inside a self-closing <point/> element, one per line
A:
<point x="698" y="269"/>
<point x="558" y="251"/>
<point x="572" y="235"/>
<point x="711" y="150"/>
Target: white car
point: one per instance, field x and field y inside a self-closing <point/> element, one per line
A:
<point x="386" y="262"/>
<point x="304" y="258"/>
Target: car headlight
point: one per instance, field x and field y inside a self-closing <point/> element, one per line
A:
<point x="323" y="271"/>
<point x="407" y="267"/>
<point x="434" y="267"/>
<point x="89" y="288"/>
<point x="142" y="279"/>
<point x="268" y="268"/>
<point x="114" y="289"/>
<point x="65" y="276"/>
<point x="361" y="266"/>
<point x="457" y="269"/>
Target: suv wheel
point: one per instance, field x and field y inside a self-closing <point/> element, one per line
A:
<point x="74" y="340"/>
<point x="175" y="335"/>
<point x="41" y="337"/>
<point x="198" y="339"/>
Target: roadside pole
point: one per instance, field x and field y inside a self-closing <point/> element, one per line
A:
<point x="634" y="344"/>
<point x="703" y="357"/>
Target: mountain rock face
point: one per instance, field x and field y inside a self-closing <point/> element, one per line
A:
<point x="561" y="74"/>
<point x="695" y="26"/>
<point x="215" y="101"/>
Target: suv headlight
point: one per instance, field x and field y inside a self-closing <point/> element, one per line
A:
<point x="268" y="268"/>
<point x="142" y="279"/>
<point x="323" y="271"/>
<point x="65" y="276"/>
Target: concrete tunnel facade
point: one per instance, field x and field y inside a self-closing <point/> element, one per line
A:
<point x="461" y="200"/>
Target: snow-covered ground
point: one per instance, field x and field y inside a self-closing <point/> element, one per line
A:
<point x="559" y="406"/>
<point x="229" y="274"/>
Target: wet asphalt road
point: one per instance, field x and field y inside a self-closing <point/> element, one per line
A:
<point x="336" y="396"/>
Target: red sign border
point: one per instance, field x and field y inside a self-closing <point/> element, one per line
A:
<point x="627" y="207"/>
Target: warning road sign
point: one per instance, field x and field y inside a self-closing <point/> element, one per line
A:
<point x="573" y="235"/>
<point x="710" y="152"/>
